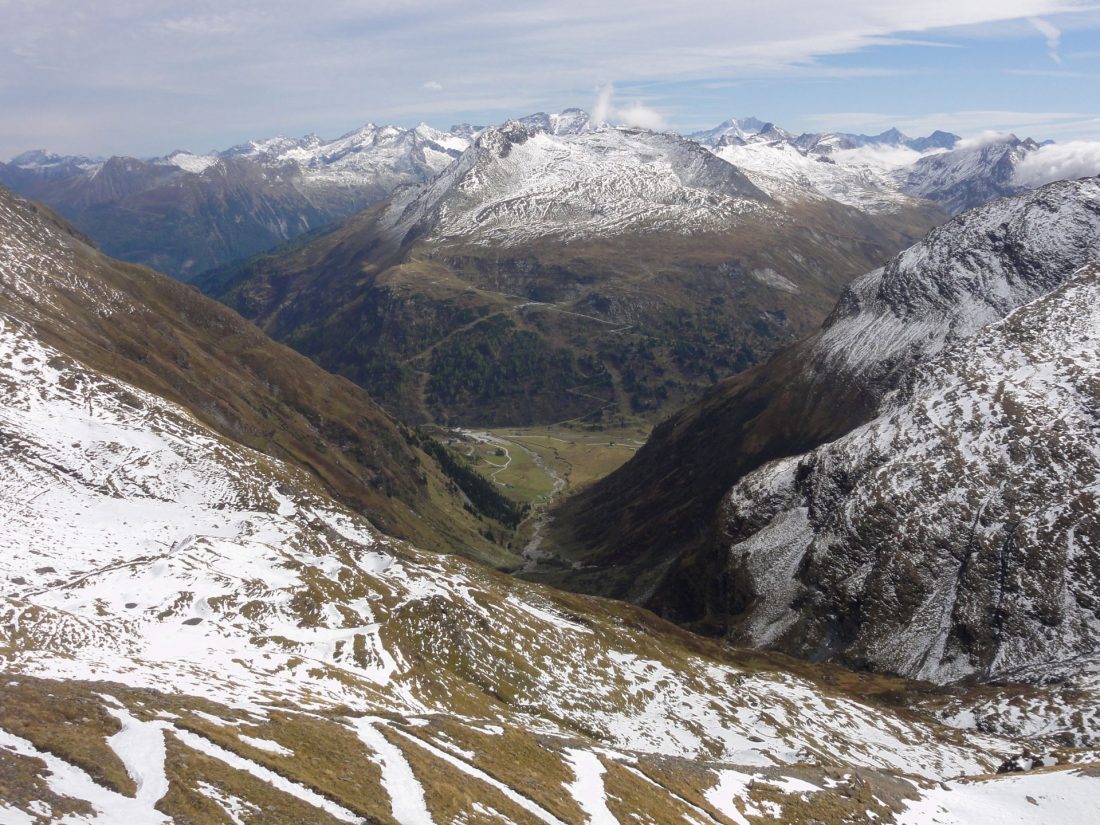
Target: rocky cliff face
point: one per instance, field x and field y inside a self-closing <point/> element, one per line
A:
<point x="967" y="273"/>
<point x="969" y="175"/>
<point x="955" y="535"/>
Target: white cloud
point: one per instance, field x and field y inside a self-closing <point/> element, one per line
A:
<point x="634" y="113"/>
<point x="1052" y="34"/>
<point x="641" y="117"/>
<point x="167" y="81"/>
<point x="1045" y="73"/>
<point x="201" y="24"/>
<point x="1059" y="161"/>
<point x="987" y="138"/>
<point x="433" y="86"/>
<point x="601" y="109"/>
<point x="880" y="157"/>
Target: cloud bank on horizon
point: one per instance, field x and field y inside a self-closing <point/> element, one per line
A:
<point x="148" y="76"/>
<point x="1060" y="161"/>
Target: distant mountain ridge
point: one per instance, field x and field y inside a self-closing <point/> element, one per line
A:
<point x="185" y="213"/>
<point x="749" y="128"/>
<point x="559" y="269"/>
<point x="873" y="171"/>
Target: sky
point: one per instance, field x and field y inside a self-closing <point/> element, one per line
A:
<point x="145" y="77"/>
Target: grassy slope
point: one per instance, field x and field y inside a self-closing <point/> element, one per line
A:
<point x="187" y="348"/>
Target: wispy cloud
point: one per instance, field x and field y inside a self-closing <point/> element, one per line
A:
<point x="433" y="86"/>
<point x="1052" y="34"/>
<point x="182" y="72"/>
<point x="203" y="24"/>
<point x="1045" y="73"/>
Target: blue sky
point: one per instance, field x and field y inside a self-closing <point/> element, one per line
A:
<point x="145" y="77"/>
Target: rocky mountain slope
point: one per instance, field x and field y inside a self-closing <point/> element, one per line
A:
<point x="524" y="182"/>
<point x="652" y="530"/>
<point x="972" y="174"/>
<point x="956" y="534"/>
<point x="195" y="631"/>
<point x="185" y="213"/>
<point x="548" y="275"/>
<point x="876" y="173"/>
<point x="165" y="337"/>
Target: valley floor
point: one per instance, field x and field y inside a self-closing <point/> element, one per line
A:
<point x="538" y="466"/>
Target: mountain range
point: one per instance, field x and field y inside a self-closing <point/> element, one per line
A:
<point x="186" y="212"/>
<point x="200" y="623"/>
<point x="873" y="172"/>
<point x="553" y="273"/>
<point x="549" y="269"/>
<point x="944" y="409"/>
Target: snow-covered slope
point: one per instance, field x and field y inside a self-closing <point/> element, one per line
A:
<point x="142" y="548"/>
<point x="975" y="172"/>
<point x="193" y="631"/>
<point x="860" y="178"/>
<point x="373" y="158"/>
<point x="141" y="551"/>
<point x="522" y="182"/>
<point x="967" y="273"/>
<point x="956" y="534"/>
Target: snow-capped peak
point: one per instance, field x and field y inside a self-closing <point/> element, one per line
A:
<point x="523" y="180"/>
<point x="40" y="159"/>
<point x="566" y="122"/>
<point x="740" y="128"/>
<point x="190" y="162"/>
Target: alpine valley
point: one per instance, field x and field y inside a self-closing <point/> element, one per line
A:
<point x="562" y="269"/>
<point x="853" y="577"/>
<point x="544" y="270"/>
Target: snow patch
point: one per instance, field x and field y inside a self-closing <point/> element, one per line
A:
<point x="406" y="794"/>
